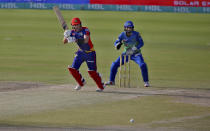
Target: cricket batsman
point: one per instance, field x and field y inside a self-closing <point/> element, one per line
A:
<point x="132" y="42"/>
<point x="85" y="53"/>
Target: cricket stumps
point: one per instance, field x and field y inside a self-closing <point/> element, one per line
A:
<point x="124" y="74"/>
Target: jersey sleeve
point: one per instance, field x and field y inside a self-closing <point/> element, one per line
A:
<point x="86" y="31"/>
<point x="140" y="41"/>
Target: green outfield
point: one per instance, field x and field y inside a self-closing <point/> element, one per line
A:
<point x="177" y="51"/>
<point x="176" y="46"/>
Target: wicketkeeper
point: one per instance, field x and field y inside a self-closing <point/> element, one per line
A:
<point x="85" y="53"/>
<point x="132" y="42"/>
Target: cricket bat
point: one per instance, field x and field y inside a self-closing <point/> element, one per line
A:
<point x="60" y="18"/>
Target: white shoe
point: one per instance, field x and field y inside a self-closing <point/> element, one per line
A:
<point x="146" y="84"/>
<point x="101" y="90"/>
<point x="78" y="87"/>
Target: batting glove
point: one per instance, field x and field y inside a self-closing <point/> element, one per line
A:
<point x="71" y="39"/>
<point x="67" y="33"/>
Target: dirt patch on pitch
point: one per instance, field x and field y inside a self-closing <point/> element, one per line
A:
<point x="191" y="96"/>
<point x="12" y="86"/>
<point x="31" y="89"/>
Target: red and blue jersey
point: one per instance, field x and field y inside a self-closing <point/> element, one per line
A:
<point x="87" y="47"/>
<point x="86" y="51"/>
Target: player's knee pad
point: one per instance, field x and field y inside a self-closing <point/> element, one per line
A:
<point x="93" y="74"/>
<point x="73" y="71"/>
<point x="77" y="76"/>
<point x="96" y="77"/>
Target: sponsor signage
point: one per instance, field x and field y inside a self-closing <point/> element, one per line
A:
<point x="183" y="6"/>
<point x="49" y="1"/>
<point x="189" y="3"/>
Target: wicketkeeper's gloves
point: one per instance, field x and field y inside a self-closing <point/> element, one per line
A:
<point x="118" y="45"/>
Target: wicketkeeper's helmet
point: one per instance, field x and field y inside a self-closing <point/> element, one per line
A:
<point x="75" y="21"/>
<point x="128" y="24"/>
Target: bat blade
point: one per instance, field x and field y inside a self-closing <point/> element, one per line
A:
<point x="60" y="17"/>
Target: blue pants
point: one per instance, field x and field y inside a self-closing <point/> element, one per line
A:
<point x="89" y="58"/>
<point x="137" y="58"/>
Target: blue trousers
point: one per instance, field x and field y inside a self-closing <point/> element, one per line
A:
<point x="89" y="58"/>
<point x="137" y="58"/>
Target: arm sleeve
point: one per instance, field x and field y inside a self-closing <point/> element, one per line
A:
<point x="72" y="34"/>
<point x="139" y="41"/>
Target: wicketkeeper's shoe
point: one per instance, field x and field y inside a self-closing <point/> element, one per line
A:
<point x="78" y="87"/>
<point x="109" y="83"/>
<point x="146" y="84"/>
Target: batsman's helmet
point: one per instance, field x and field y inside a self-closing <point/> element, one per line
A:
<point x="128" y="24"/>
<point x="75" y="21"/>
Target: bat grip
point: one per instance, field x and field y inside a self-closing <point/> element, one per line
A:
<point x="65" y="27"/>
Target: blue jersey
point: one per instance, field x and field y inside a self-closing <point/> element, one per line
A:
<point x="128" y="42"/>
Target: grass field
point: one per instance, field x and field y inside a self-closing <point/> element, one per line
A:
<point x="177" y="51"/>
<point x="176" y="46"/>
